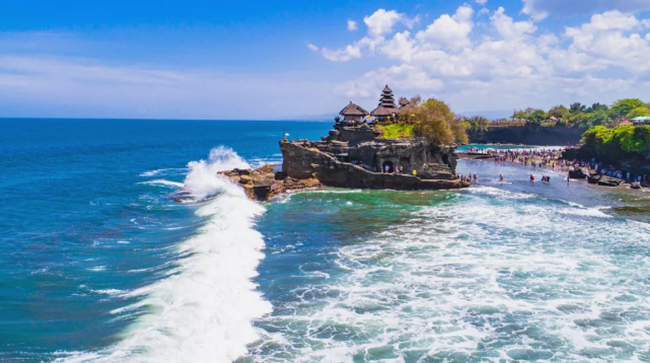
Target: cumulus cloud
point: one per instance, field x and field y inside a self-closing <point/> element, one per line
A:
<point x="540" y="9"/>
<point x="509" y="63"/>
<point x="381" y="22"/>
<point x="451" y="31"/>
<point x="352" y="25"/>
<point x="342" y="55"/>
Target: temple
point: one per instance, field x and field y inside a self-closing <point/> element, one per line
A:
<point x="354" y="155"/>
<point x="353" y="113"/>
<point x="387" y="110"/>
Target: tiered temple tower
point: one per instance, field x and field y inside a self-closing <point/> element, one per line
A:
<point x="387" y="109"/>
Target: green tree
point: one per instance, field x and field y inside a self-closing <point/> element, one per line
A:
<point x="537" y="117"/>
<point x="577" y="107"/>
<point x="638" y="112"/>
<point x="434" y="119"/>
<point x="623" y="107"/>
<point x="558" y="112"/>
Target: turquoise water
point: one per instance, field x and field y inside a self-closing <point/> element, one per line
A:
<point x="101" y="264"/>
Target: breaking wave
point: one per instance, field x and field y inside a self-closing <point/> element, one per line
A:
<point x="201" y="312"/>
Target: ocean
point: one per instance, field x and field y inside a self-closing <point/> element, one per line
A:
<point x="100" y="263"/>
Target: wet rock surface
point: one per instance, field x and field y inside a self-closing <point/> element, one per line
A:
<point x="265" y="183"/>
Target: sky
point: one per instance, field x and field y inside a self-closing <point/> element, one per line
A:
<point x="307" y="59"/>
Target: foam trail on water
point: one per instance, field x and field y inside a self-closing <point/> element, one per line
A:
<point x="202" y="182"/>
<point x="203" y="312"/>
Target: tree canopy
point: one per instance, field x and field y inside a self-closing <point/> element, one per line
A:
<point x="584" y="116"/>
<point x="433" y="119"/>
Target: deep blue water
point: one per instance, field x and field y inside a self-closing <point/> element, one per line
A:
<point x="100" y="263"/>
<point x="77" y="225"/>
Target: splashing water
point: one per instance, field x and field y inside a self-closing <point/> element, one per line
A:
<point x="202" y="311"/>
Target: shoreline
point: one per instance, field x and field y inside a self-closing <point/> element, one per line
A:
<point x="559" y="167"/>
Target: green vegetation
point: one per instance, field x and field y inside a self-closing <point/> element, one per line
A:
<point x="397" y="131"/>
<point x="583" y="116"/>
<point x="433" y="119"/>
<point x="617" y="141"/>
<point x="475" y="123"/>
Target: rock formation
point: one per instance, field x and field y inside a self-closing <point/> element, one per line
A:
<point x="265" y="183"/>
<point x="353" y="156"/>
<point x="527" y="135"/>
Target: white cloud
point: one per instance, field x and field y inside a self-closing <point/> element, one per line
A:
<point x="352" y="25"/>
<point x="344" y="55"/>
<point x="381" y="22"/>
<point x="540" y="9"/>
<point x="510" y="29"/>
<point x="312" y="47"/>
<point x="451" y="31"/>
<point x="481" y="2"/>
<point x="507" y="63"/>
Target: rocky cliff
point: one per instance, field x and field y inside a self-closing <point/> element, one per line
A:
<point x="352" y="156"/>
<point x="528" y="135"/>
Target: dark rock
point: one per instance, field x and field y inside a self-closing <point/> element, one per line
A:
<point x="577" y="173"/>
<point x="528" y="135"/>
<point x="594" y="177"/>
<point x="280" y="175"/>
<point x="314" y="161"/>
<point x="608" y="181"/>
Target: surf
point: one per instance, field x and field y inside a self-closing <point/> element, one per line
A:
<point x="203" y="310"/>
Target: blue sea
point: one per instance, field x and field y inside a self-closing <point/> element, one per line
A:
<point x="101" y="262"/>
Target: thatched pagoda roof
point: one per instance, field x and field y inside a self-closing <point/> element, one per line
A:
<point x="384" y="111"/>
<point x="352" y="109"/>
<point x="386" y="105"/>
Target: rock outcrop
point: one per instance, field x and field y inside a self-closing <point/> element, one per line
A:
<point x="603" y="180"/>
<point x="577" y="173"/>
<point x="352" y="156"/>
<point x="266" y="183"/>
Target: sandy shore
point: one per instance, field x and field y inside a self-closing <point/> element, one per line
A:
<point x="554" y="164"/>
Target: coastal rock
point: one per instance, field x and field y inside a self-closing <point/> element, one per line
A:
<point x="594" y="178"/>
<point x="341" y="165"/>
<point x="265" y="183"/>
<point x="577" y="173"/>
<point x="527" y="135"/>
<point x="608" y="181"/>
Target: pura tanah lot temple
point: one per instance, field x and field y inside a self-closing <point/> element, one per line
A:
<point x="354" y="154"/>
<point x="386" y="111"/>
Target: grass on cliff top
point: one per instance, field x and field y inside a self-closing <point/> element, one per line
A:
<point x="397" y="131"/>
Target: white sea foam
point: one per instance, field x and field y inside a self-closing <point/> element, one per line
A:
<point x="470" y="281"/>
<point x="163" y="182"/>
<point x="203" y="311"/>
<point x="166" y="171"/>
<point x="112" y="292"/>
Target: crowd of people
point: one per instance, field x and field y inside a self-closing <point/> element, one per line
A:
<point x="551" y="158"/>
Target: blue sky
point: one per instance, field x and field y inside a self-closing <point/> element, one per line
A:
<point x="294" y="59"/>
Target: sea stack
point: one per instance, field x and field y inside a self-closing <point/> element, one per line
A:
<point x="354" y="155"/>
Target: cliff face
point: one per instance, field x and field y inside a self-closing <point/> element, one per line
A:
<point x="302" y="161"/>
<point x="552" y="136"/>
<point x="352" y="156"/>
<point x="634" y="163"/>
